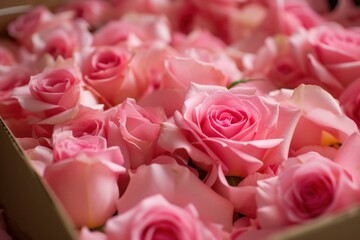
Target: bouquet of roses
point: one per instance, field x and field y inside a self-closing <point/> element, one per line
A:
<point x="188" y="119"/>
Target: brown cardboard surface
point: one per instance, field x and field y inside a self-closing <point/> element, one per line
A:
<point x="31" y="211"/>
<point x="345" y="225"/>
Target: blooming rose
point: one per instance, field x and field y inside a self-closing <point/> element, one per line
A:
<point x="87" y="185"/>
<point x="237" y="129"/>
<point x="135" y="130"/>
<point x="51" y="92"/>
<point x="105" y="69"/>
<point x="156" y="218"/>
<point x="307" y="186"/>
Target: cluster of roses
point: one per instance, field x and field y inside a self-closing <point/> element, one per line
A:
<point x="188" y="119"/>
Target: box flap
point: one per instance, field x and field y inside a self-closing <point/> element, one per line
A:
<point x="31" y="210"/>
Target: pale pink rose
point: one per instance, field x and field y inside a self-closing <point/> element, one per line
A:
<point x="86" y="186"/>
<point x="14" y="76"/>
<point x="330" y="53"/>
<point x="347" y="156"/>
<point x="218" y="60"/>
<point x="26" y="24"/>
<point x="298" y="14"/>
<point x="62" y="39"/>
<point x="55" y="94"/>
<point x="179" y="186"/>
<point x="88" y="121"/>
<point x="180" y="73"/>
<point x="106" y="70"/>
<point x="350" y="101"/>
<point x="40" y="158"/>
<point x="278" y="62"/>
<point x="65" y="145"/>
<point x="135" y="130"/>
<point x="321" y="117"/>
<point x="238" y="129"/>
<point x="307" y="186"/>
<point x="156" y="218"/>
<point x="94" y="12"/>
<point x="241" y="191"/>
<point x="133" y="29"/>
<point x="86" y="234"/>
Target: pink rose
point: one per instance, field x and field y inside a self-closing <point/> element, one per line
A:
<point x="238" y="129"/>
<point x="179" y="186"/>
<point x="330" y="53"/>
<point x="65" y="145"/>
<point x="321" y="117"/>
<point x="87" y="185"/>
<point x="298" y="14"/>
<point x="350" y="101"/>
<point x="88" y="121"/>
<point x="54" y="94"/>
<point x="307" y="186"/>
<point x="25" y="25"/>
<point x="156" y="218"/>
<point x="94" y="11"/>
<point x="62" y="39"/>
<point x="135" y="130"/>
<point x="133" y="29"/>
<point x="106" y="70"/>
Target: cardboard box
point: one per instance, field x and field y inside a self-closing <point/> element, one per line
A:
<point x="32" y="211"/>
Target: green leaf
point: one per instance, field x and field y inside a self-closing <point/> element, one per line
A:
<point x="233" y="84"/>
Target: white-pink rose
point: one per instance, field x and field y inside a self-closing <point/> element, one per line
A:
<point x="238" y="129"/>
<point x="307" y="187"/>
<point x="87" y="185"/>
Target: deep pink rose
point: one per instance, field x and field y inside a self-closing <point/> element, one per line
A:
<point x="135" y="130"/>
<point x="87" y="186"/>
<point x="106" y="70"/>
<point x="156" y="218"/>
<point x="307" y="186"/>
<point x="238" y="129"/>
